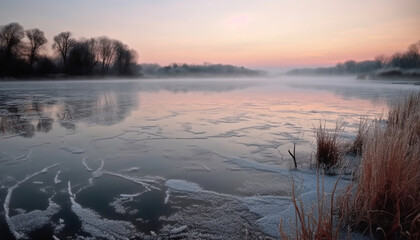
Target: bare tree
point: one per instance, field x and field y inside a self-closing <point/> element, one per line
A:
<point x="382" y="60"/>
<point x="36" y="41"/>
<point x="10" y="38"/>
<point x="83" y="57"/>
<point x="124" y="58"/>
<point x="62" y="44"/>
<point x="106" y="49"/>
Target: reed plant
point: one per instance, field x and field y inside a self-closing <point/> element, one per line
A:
<point x="385" y="200"/>
<point x="330" y="147"/>
<point x="356" y="147"/>
<point x="317" y="221"/>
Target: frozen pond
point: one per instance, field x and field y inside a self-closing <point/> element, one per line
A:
<point x="204" y="158"/>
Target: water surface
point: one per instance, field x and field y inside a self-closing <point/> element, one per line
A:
<point x="143" y="158"/>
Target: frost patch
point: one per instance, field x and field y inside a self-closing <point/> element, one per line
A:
<point x="18" y="223"/>
<point x="56" y="180"/>
<point x="178" y="229"/>
<point x="27" y="222"/>
<point x="98" y="172"/>
<point x="118" y="203"/>
<point x="183" y="186"/>
<point x="85" y="164"/>
<point x="100" y="227"/>
<point x="132" y="169"/>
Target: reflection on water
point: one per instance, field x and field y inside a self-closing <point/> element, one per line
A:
<point x="68" y="103"/>
<point x="162" y="158"/>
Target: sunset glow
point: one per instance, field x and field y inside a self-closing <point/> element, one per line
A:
<point x="259" y="34"/>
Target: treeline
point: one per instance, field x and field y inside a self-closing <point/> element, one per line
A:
<point x="22" y="54"/>
<point x="408" y="61"/>
<point x="185" y="70"/>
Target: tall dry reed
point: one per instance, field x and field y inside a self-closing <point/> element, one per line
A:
<point x="356" y="147"/>
<point x="385" y="200"/>
<point x="317" y="222"/>
<point x="330" y="147"/>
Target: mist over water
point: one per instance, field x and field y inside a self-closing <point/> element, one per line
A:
<point x="173" y="157"/>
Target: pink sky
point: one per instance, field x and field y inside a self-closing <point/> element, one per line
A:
<point x="262" y="34"/>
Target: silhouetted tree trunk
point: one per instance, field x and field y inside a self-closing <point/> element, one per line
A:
<point x="36" y="41"/>
<point x="10" y="40"/>
<point x="62" y="44"/>
<point x="106" y="50"/>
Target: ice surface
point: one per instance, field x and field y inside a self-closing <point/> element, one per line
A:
<point x="100" y="227"/>
<point x="270" y="208"/>
<point x="212" y="216"/>
<point x="148" y="184"/>
<point x="20" y="223"/>
<point x="308" y="179"/>
<point x="38" y="145"/>
<point x="194" y="166"/>
<point x="73" y="150"/>
<point x="107" y="138"/>
<point x="11" y="159"/>
<point x="253" y="165"/>
<point x="13" y="135"/>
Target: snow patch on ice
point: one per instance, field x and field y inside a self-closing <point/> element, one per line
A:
<point x="270" y="208"/>
<point x="56" y="180"/>
<point x="98" y="226"/>
<point x="59" y="227"/>
<point x="183" y="186"/>
<point x="131" y="169"/>
<point x="118" y="203"/>
<point x="167" y="195"/>
<point x="18" y="223"/>
<point x="98" y="172"/>
<point x="85" y="164"/>
<point x="178" y="229"/>
<point x="27" y="222"/>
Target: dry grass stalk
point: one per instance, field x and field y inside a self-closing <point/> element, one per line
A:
<point x="386" y="200"/>
<point x="317" y="223"/>
<point x="330" y="147"/>
<point x="357" y="146"/>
